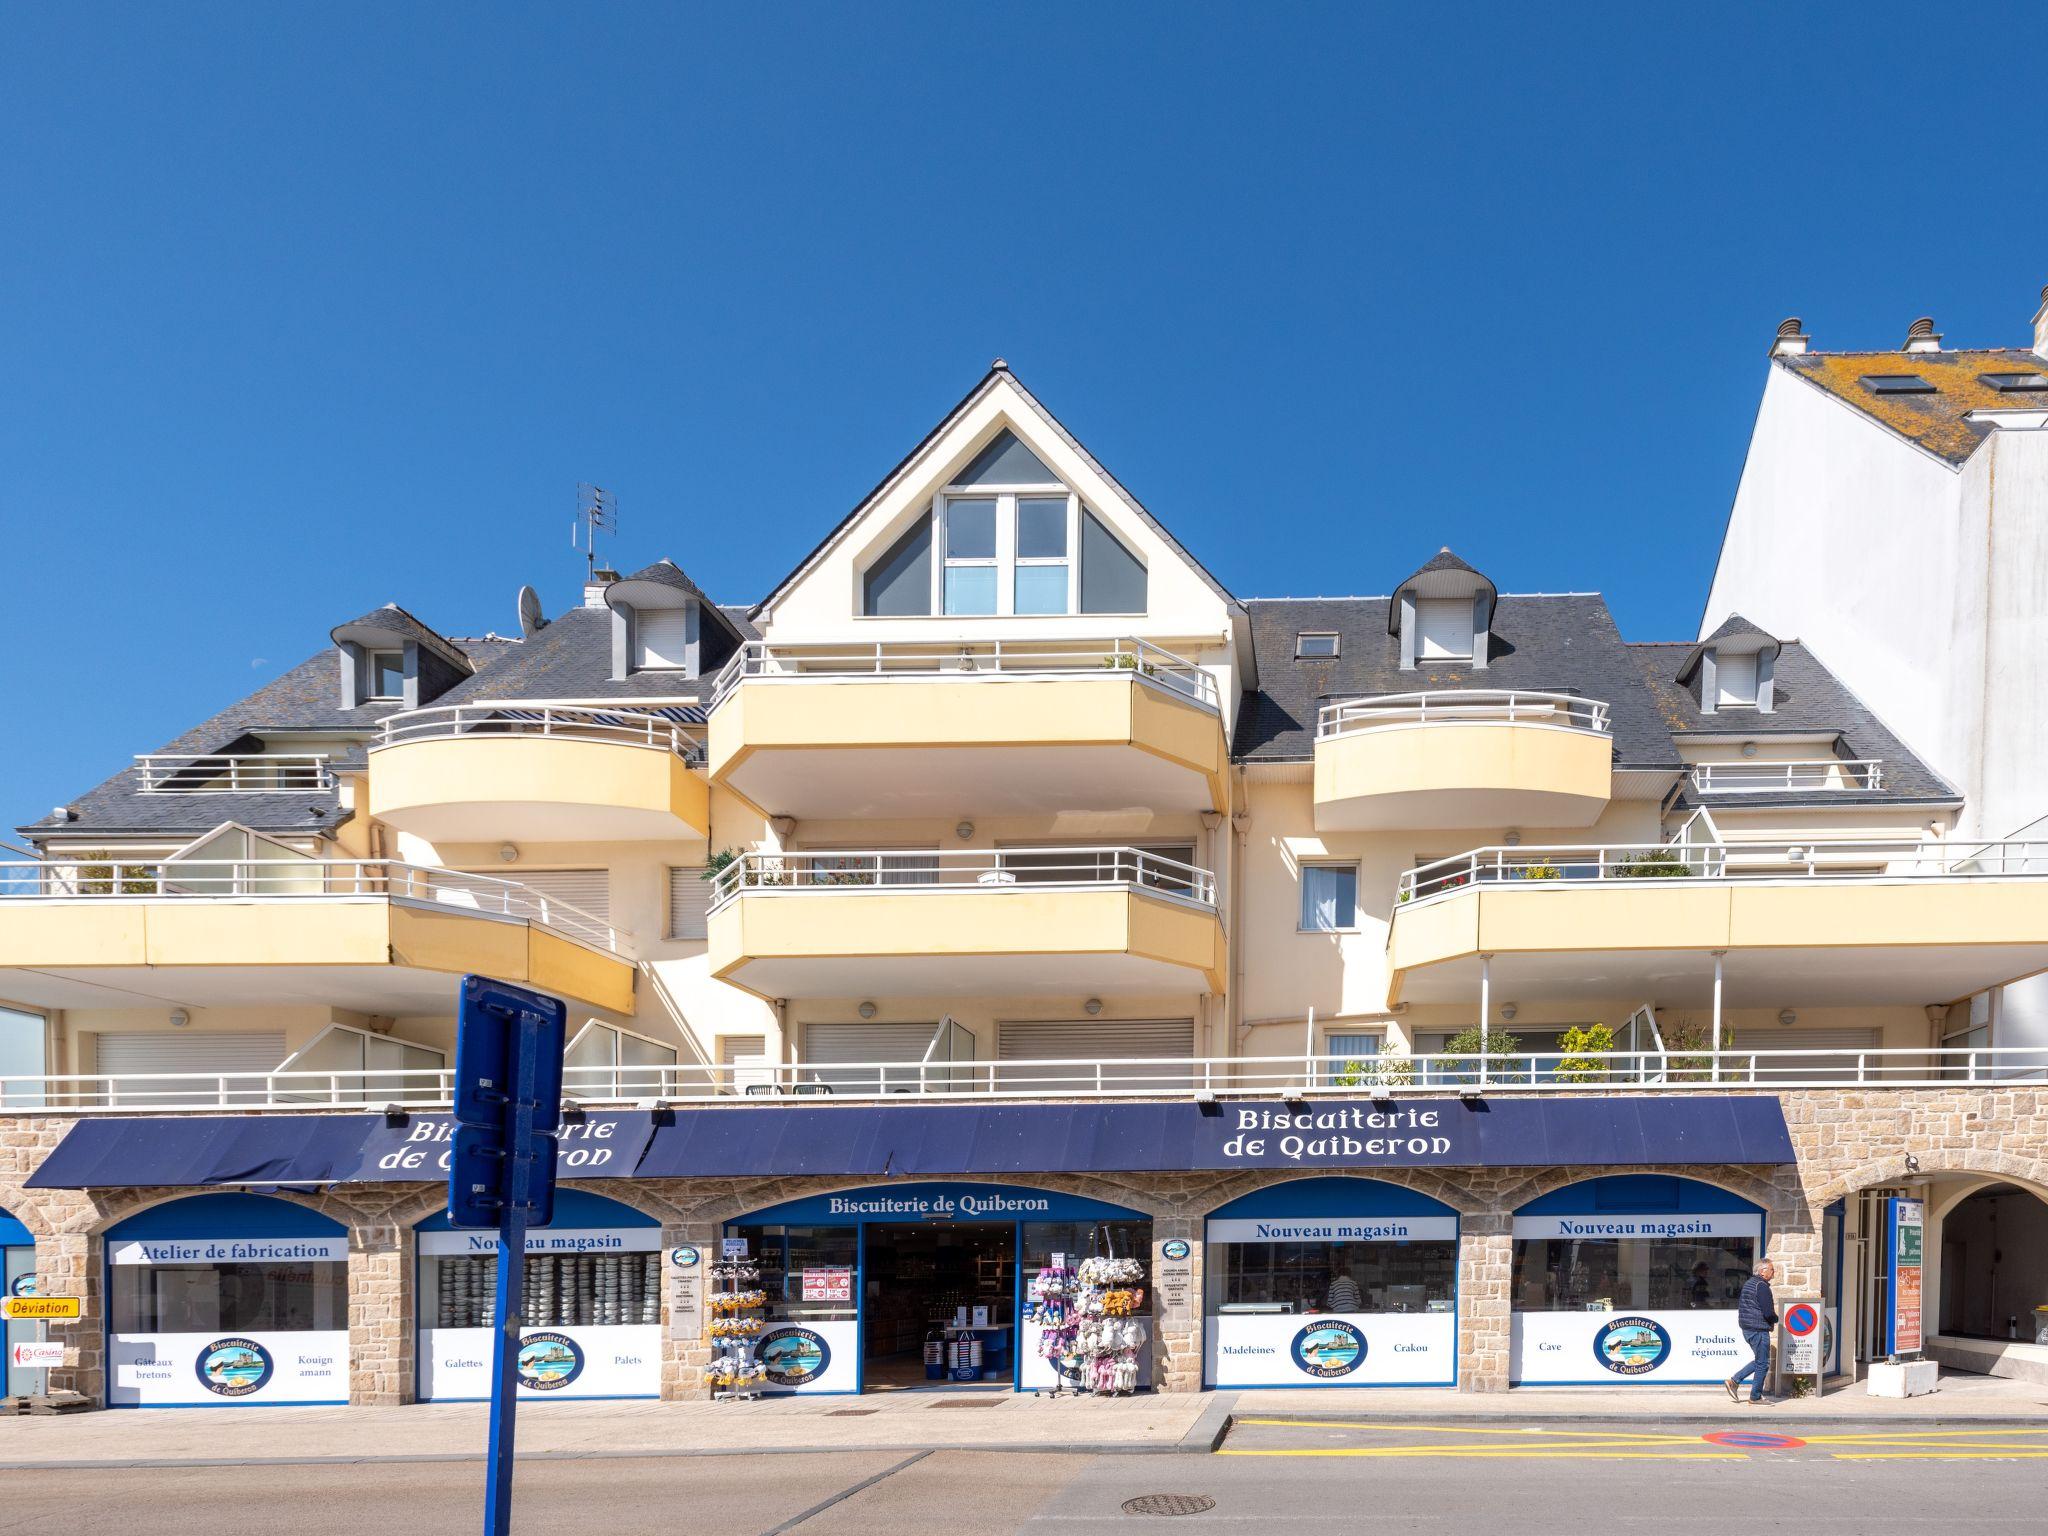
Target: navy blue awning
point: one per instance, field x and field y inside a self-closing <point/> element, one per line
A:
<point x="885" y="1140"/>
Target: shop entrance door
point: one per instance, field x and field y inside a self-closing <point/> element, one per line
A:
<point x="939" y="1309"/>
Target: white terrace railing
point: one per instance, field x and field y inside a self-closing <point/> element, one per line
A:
<point x="1162" y="1077"/>
<point x="181" y="773"/>
<point x="572" y="722"/>
<point x="298" y="880"/>
<point x="894" y="660"/>
<point x="963" y="870"/>
<point x="1579" y="865"/>
<point x="1468" y="706"/>
<point x="1820" y="773"/>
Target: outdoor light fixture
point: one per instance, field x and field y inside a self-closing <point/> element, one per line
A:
<point x="1513" y="839"/>
<point x="180" y="1018"/>
<point x="1092" y="1007"/>
<point x="572" y="1113"/>
<point x="509" y="852"/>
<point x="964" y="831"/>
<point x="1787" y="1017"/>
<point x="1508" y="1012"/>
<point x="396" y="1114"/>
<point x="1471" y="1096"/>
<point x="1749" y="749"/>
<point x="867" y="1010"/>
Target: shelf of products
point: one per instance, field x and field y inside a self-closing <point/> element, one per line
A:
<point x="563" y="1290"/>
<point x="735" y="1330"/>
<point x="1087" y="1318"/>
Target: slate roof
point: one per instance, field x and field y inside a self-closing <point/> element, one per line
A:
<point x="572" y="659"/>
<point x="306" y="698"/>
<point x="1809" y="700"/>
<point x="1566" y="644"/>
<point x="394" y="620"/>
<point x="1934" y="421"/>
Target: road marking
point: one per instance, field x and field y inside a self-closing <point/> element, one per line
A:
<point x="2014" y="1454"/>
<point x="1571" y="1450"/>
<point x="1618" y="1436"/>
<point x="1923" y="1436"/>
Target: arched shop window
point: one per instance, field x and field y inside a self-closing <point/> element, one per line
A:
<point x="18" y="1278"/>
<point x="1631" y="1278"/>
<point x="593" y="1304"/>
<point x="1332" y="1282"/>
<point x="911" y="1284"/>
<point x="227" y="1299"/>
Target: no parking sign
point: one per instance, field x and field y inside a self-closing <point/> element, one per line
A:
<point x="1799" y="1352"/>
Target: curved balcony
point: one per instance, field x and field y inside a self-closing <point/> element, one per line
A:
<point x="1476" y="757"/>
<point x="974" y="922"/>
<point x="368" y="934"/>
<point x="1006" y="727"/>
<point x="543" y="773"/>
<point x="1882" y="922"/>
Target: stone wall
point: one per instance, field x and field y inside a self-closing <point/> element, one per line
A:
<point x="1846" y="1140"/>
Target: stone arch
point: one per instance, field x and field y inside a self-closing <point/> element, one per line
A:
<point x="1771" y="1197"/>
<point x="2030" y="1174"/>
<point x="1458" y="1196"/>
<point x="107" y="1212"/>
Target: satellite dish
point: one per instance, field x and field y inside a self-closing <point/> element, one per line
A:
<point x="530" y="621"/>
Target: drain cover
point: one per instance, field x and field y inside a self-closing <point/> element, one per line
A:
<point x="850" y="1413"/>
<point x="1169" y="1504"/>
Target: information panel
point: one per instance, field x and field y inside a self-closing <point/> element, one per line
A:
<point x="1907" y="1220"/>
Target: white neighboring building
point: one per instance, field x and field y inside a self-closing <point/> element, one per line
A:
<point x="1893" y="514"/>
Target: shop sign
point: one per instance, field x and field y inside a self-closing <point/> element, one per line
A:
<point x="733" y="1247"/>
<point x="475" y="1244"/>
<point x="685" y="1257"/>
<point x="232" y="1250"/>
<point x="1908" y="1224"/>
<point x="1354" y="1349"/>
<point x="1174" y="1250"/>
<point x="1608" y="1348"/>
<point x="1335" y="1229"/>
<point x="165" y="1369"/>
<point x="828" y="1284"/>
<point x="615" y="1360"/>
<point x="37" y="1356"/>
<point x="23" y="1284"/>
<point x="22" y="1309"/>
<point x="1633" y="1227"/>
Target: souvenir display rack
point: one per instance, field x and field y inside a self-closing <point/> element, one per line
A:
<point x="735" y="1328"/>
<point x="1089" y="1328"/>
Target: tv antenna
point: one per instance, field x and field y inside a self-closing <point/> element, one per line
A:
<point x="597" y="510"/>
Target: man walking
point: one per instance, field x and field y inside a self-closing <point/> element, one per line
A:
<point x="1756" y="1314"/>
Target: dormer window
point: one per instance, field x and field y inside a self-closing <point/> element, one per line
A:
<point x="1444" y="612"/>
<point x="1444" y="627"/>
<point x="1733" y="668"/>
<point x="383" y="675"/>
<point x="663" y="622"/>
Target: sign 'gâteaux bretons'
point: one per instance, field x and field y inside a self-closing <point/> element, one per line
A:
<point x="887" y="1140"/>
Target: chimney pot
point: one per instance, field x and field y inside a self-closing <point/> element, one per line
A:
<point x="1921" y="336"/>
<point x="593" y="589"/>
<point x="1791" y="339"/>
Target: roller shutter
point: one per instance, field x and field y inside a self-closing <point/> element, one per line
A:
<point x="1842" y="1066"/>
<point x="663" y="636"/>
<point x="1086" y="1042"/>
<point x="825" y="1045"/>
<point x="588" y="890"/>
<point x="689" y="899"/>
<point x="180" y="1051"/>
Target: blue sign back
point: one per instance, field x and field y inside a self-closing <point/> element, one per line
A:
<point x="487" y="1035"/>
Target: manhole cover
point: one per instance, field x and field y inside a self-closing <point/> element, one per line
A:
<point x="1169" y="1504"/>
<point x="850" y="1413"/>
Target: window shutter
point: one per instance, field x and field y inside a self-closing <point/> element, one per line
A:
<point x="689" y="900"/>
<point x="588" y="890"/>
<point x="177" y="1050"/>
<point x="663" y="637"/>
<point x="1445" y="624"/>
<point x="1088" y="1041"/>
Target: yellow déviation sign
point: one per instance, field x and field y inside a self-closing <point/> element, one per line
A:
<point x="27" y="1308"/>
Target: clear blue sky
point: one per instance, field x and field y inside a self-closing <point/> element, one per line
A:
<point x="307" y="309"/>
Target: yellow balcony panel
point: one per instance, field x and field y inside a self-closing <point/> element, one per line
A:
<point x="1016" y="741"/>
<point x="1883" y="937"/>
<point x="395" y="950"/>
<point x="470" y="774"/>
<point x="1462" y="773"/>
<point x="970" y="941"/>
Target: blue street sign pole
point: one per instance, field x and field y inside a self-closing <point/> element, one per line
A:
<point x="508" y="1107"/>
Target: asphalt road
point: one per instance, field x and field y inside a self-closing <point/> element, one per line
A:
<point x="1571" y="1480"/>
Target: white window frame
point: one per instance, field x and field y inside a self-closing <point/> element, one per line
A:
<point x="370" y="694"/>
<point x="1336" y="644"/>
<point x="1443" y="604"/>
<point x="1357" y="894"/>
<point x="1725" y="699"/>
<point x="1006" y="561"/>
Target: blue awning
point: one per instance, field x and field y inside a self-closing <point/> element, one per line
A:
<point x="895" y="1140"/>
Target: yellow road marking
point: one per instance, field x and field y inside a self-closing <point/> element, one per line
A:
<point x="1523" y="1452"/>
<point x="1953" y="1455"/>
<point x="1918" y="1436"/>
<point x="1618" y="1436"/>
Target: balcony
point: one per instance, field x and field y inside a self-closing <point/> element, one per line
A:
<point x="976" y="922"/>
<point x="906" y="729"/>
<point x="542" y="773"/>
<point x="1797" y="923"/>
<point x="1818" y="775"/>
<point x="372" y="935"/>
<point x="180" y="773"/>
<point x="1463" y="758"/>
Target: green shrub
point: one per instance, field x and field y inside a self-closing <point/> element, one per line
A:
<point x="1461" y="1054"/>
<point x="1584" y="1052"/>
<point x="1652" y="864"/>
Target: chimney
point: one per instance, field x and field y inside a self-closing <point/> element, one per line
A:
<point x="593" y="589"/>
<point x="1921" y="336"/>
<point x="2041" y="326"/>
<point x="1791" y="339"/>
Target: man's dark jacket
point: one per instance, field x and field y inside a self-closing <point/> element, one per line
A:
<point x="1757" y="1312"/>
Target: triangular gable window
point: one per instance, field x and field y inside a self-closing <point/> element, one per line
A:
<point x="1006" y="461"/>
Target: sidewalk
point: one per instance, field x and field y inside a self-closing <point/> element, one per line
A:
<point x="914" y="1421"/>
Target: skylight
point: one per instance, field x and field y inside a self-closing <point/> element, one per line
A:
<point x="2016" y="383"/>
<point x="1896" y="384"/>
<point x="1314" y="646"/>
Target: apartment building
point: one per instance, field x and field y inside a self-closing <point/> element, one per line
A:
<point x="1426" y="989"/>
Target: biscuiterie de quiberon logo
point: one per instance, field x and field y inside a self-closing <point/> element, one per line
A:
<point x="234" y="1367"/>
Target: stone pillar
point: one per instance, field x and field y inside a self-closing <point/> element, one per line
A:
<point x="1177" y="1326"/>
<point x="1485" y="1301"/>
<point x="381" y="1329"/>
<point x="685" y="1352"/>
<point x="68" y="1264"/>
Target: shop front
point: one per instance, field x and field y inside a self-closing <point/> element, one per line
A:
<point x="1331" y="1282"/>
<point x="226" y="1300"/>
<point x="942" y="1284"/>
<point x="1633" y="1277"/>
<point x="593" y="1305"/>
<point x="18" y="1278"/>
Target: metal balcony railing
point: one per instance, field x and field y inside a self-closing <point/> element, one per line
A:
<point x="1577" y="865"/>
<point x="298" y="880"/>
<point x="895" y="660"/>
<point x="1466" y="706"/>
<point x="178" y="773"/>
<point x="571" y="722"/>
<point x="1820" y="773"/>
<point x="964" y="870"/>
<point x="1161" y="1077"/>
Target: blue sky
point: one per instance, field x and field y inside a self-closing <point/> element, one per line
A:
<point x="313" y="308"/>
